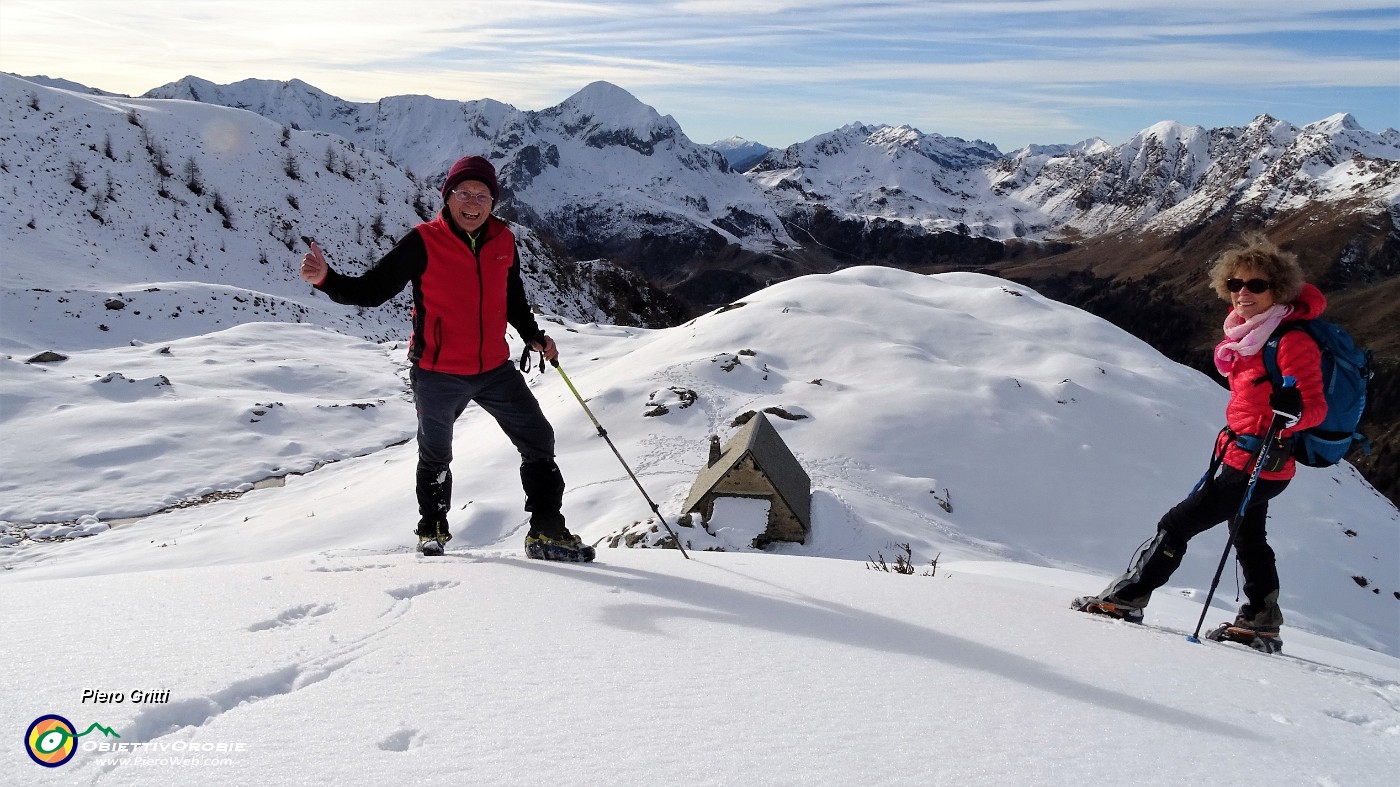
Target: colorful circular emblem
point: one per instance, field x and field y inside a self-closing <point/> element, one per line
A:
<point x="51" y="740"/>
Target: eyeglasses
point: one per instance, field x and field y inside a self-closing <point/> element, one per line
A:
<point x="1255" y="286"/>
<point x="467" y="196"/>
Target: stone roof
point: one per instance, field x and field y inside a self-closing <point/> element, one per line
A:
<point x="760" y="440"/>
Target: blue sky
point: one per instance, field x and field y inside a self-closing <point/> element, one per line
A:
<point x="1010" y="72"/>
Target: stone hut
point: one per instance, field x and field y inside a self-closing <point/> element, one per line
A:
<point x="757" y="464"/>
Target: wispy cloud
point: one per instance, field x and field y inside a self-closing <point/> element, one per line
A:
<point x="999" y="70"/>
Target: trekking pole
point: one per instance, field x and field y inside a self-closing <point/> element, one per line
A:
<point x="1275" y="425"/>
<point x="604" y="434"/>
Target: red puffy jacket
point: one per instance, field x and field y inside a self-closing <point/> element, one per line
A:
<point x="1248" y="411"/>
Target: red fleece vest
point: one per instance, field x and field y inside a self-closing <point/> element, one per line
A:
<point x="463" y="319"/>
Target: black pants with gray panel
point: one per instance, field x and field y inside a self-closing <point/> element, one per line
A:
<point x="1216" y="501"/>
<point x="441" y="399"/>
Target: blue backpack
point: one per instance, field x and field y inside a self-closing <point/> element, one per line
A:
<point x="1346" y="369"/>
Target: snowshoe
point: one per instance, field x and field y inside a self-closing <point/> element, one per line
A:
<point x="566" y="549"/>
<point x="1262" y="641"/>
<point x="432" y="538"/>
<point x="433" y="547"/>
<point x="1095" y="605"/>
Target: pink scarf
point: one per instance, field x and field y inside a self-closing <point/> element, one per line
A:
<point x="1247" y="337"/>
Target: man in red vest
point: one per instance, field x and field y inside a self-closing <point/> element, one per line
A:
<point x="465" y="273"/>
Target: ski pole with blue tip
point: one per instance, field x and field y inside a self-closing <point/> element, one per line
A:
<point x="1279" y="422"/>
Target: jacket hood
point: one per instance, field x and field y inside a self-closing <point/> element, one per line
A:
<point x="1309" y="304"/>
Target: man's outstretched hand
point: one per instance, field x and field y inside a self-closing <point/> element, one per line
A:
<point x="313" y="265"/>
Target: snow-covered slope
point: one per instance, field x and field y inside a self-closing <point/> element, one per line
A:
<point x="155" y="425"/>
<point x="959" y="414"/>
<point x="363" y="668"/>
<point x="1023" y="446"/>
<point x="142" y="219"/>
<point x="65" y="84"/>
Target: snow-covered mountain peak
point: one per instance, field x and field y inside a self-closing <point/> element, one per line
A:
<point x="740" y="153"/>
<point x="1089" y="146"/>
<point x="603" y="105"/>
<point x="605" y="98"/>
<point x="730" y="143"/>
<point x="849" y="141"/>
<point x="1168" y="132"/>
<point x="1266" y="130"/>
<point x="903" y="135"/>
<point x="849" y="134"/>
<point x="1342" y="121"/>
<point x="948" y="152"/>
<point x="1344" y="136"/>
<point x="1092" y="145"/>
<point x="293" y="103"/>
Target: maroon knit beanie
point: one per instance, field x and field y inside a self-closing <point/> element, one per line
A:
<point x="472" y="168"/>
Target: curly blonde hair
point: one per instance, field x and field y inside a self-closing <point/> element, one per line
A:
<point x="1272" y="263"/>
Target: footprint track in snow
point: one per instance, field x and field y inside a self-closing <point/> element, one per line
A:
<point x="339" y="569"/>
<point x="301" y="614"/>
<point x="409" y="592"/>
<point x="403" y="740"/>
<point x="1365" y="721"/>
<point x="159" y="721"/>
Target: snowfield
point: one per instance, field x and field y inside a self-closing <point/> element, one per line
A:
<point x="360" y="667"/>
<point x="1025" y="446"/>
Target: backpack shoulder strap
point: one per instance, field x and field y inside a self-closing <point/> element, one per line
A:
<point x="1270" y="351"/>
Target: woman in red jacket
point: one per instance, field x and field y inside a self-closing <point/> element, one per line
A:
<point x="1265" y="288"/>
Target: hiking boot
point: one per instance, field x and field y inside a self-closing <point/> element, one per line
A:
<point x="568" y="549"/>
<point x="433" y="538"/>
<point x="1109" y="607"/>
<point x="1262" y="641"/>
<point x="1265" y="620"/>
<point x="1256" y="625"/>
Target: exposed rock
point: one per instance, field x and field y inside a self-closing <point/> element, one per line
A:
<point x="746" y="416"/>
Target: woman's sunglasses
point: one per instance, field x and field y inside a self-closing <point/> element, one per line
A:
<point x="1255" y="286"/>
